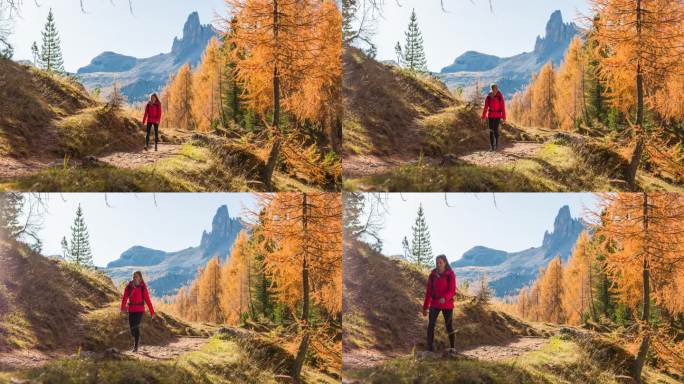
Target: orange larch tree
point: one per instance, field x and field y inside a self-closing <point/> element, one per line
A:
<point x="179" y="99"/>
<point x="646" y="231"/>
<point x="543" y="98"/>
<point x="577" y="296"/>
<point x="235" y="277"/>
<point x="643" y="45"/>
<point x="550" y="287"/>
<point x="209" y="292"/>
<point x="569" y="100"/>
<point x="306" y="265"/>
<point x="208" y="78"/>
<point x="287" y="57"/>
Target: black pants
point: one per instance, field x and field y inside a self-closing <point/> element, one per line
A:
<point x="156" y="134"/>
<point x="134" y="320"/>
<point x="432" y="320"/>
<point x="494" y="133"/>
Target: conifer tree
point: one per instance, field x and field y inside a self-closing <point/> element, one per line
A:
<point x="544" y="97"/>
<point x="421" y="249"/>
<point x="207" y="84"/>
<point x="51" y="50"/>
<point x="179" y="99"/>
<point x="80" y="252"/>
<point x="209" y="292"/>
<point x="414" y="52"/>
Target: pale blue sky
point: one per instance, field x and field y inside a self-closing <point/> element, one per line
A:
<point x="109" y="27"/>
<point x="467" y="25"/>
<point x="517" y="221"/>
<point x="175" y="222"/>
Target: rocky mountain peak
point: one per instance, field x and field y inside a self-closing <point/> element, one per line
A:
<point x="223" y="230"/>
<point x="565" y="230"/>
<point x="558" y="34"/>
<point x="194" y="34"/>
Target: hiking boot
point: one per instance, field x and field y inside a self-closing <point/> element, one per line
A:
<point x="155" y="147"/>
<point x="145" y="148"/>
<point x="135" y="349"/>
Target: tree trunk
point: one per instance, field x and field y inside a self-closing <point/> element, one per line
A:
<point x="303" y="346"/>
<point x="640" y="358"/>
<point x="639" y="149"/>
<point x="267" y="174"/>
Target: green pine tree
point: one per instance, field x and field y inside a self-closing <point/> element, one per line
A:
<point x="414" y="52"/>
<point x="421" y="250"/>
<point x="80" y="252"/>
<point x="51" y="50"/>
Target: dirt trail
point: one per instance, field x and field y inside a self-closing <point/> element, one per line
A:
<point x="169" y="351"/>
<point x="362" y="359"/>
<point x="12" y="168"/>
<point x="508" y="155"/>
<point x="131" y="160"/>
<point x="508" y="351"/>
<point x="356" y="166"/>
<point x="28" y="359"/>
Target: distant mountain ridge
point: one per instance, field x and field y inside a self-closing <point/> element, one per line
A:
<point x="507" y="272"/>
<point x="166" y="272"/>
<point x="512" y="73"/>
<point x="137" y="78"/>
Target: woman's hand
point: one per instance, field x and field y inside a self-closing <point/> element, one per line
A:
<point x="424" y="312"/>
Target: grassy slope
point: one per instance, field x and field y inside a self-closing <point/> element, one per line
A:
<point x="381" y="310"/>
<point x="48" y="115"/>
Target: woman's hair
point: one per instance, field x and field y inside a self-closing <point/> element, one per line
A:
<point x="156" y="98"/>
<point x="139" y="274"/>
<point x="493" y="85"/>
<point x="446" y="262"/>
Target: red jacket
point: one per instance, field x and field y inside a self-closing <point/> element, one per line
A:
<point x="135" y="298"/>
<point x="440" y="287"/>
<point x="495" y="107"/>
<point x="153" y="113"/>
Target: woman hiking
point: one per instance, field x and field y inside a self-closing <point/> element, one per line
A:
<point x="494" y="112"/>
<point x="439" y="297"/>
<point x="133" y="301"/>
<point x="152" y="117"/>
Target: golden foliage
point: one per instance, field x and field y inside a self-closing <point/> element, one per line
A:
<point x="297" y="42"/>
<point x="207" y="102"/>
<point x="307" y="228"/>
<point x="569" y="101"/>
<point x="178" y="97"/>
